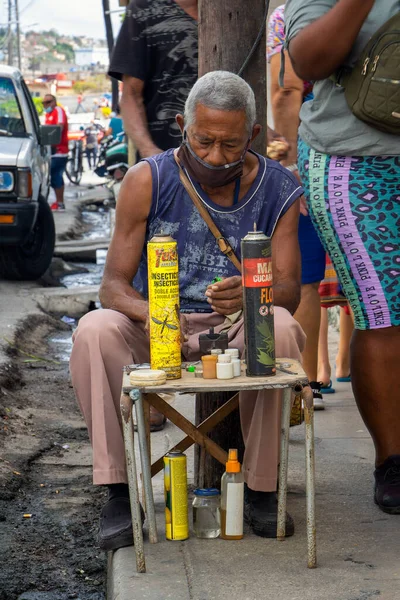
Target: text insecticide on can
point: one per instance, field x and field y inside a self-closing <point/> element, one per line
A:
<point x="258" y="304"/>
<point x="176" y="496"/>
<point x="163" y="277"/>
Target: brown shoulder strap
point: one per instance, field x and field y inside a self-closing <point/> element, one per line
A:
<point x="222" y="242"/>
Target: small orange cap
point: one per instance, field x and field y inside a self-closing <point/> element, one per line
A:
<point x="233" y="465"/>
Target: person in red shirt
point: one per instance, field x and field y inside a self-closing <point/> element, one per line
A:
<point x="55" y="115"/>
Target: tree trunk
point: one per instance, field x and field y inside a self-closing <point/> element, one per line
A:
<point x="227" y="434"/>
<point x="227" y="32"/>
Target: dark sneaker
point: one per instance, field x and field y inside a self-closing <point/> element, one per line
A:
<point x="157" y="420"/>
<point x="116" y="524"/>
<point x="319" y="403"/>
<point x="387" y="485"/>
<point x="261" y="513"/>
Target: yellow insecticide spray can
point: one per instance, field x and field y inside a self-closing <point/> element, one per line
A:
<point x="176" y="496"/>
<point x="165" y="332"/>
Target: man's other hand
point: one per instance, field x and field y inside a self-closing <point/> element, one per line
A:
<point x="226" y="296"/>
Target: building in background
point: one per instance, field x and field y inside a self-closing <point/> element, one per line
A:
<point x="87" y="57"/>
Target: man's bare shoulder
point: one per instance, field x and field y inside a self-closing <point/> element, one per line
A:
<point x="136" y="191"/>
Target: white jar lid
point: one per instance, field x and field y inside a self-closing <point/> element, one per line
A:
<point x="224" y="358"/>
<point x="234" y="352"/>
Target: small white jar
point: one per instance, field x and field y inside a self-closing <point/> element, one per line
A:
<point x="234" y="352"/>
<point x="224" y="367"/>
<point x="236" y="362"/>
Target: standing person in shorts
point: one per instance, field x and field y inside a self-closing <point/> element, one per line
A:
<point x="351" y="173"/>
<point x="55" y="115"/>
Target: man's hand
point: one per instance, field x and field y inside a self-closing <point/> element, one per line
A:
<point x="226" y="296"/>
<point x="277" y="145"/>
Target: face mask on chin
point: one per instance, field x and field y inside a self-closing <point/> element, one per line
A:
<point x="206" y="174"/>
<point x="48" y="109"/>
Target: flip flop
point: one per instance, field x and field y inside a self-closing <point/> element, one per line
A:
<point x="344" y="379"/>
<point x="327" y="389"/>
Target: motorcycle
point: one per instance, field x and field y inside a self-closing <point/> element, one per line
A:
<point x="112" y="161"/>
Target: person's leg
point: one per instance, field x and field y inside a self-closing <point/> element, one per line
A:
<point x="346" y="328"/>
<point x="308" y="314"/>
<point x="89" y="157"/>
<point x="59" y="195"/>
<point x="259" y="411"/>
<point x="57" y="168"/>
<point x="104" y="342"/>
<point x="374" y="376"/>
<point x="324" y="367"/>
<point x="260" y="414"/>
<point x="378" y="397"/>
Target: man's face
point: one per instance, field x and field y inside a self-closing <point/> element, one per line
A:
<point x="48" y="102"/>
<point x="218" y="137"/>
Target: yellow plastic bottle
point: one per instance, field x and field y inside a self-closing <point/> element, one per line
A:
<point x="232" y="499"/>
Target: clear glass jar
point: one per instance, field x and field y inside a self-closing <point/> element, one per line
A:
<point x="206" y="513"/>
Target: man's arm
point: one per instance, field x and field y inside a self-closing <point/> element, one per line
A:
<point x="286" y="265"/>
<point x="123" y="258"/>
<point x="134" y="116"/>
<point x="286" y="103"/>
<point x="321" y="47"/>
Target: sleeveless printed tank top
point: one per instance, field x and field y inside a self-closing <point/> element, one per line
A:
<point x="172" y="212"/>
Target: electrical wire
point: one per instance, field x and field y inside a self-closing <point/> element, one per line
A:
<point x="257" y="41"/>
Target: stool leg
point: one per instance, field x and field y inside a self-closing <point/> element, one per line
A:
<point x="146" y="413"/>
<point x="137" y="397"/>
<point x="310" y="478"/>
<point x="127" y="429"/>
<point x="283" y="465"/>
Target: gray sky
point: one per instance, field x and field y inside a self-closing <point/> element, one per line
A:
<point x="79" y="17"/>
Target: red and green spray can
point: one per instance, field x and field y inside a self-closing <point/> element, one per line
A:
<point x="258" y="304"/>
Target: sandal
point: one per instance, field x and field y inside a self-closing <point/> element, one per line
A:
<point x="327" y="389"/>
<point x="344" y="379"/>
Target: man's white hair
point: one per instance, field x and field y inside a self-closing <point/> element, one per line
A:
<point x="221" y="90"/>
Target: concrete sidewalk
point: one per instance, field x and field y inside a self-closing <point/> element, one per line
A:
<point x="358" y="545"/>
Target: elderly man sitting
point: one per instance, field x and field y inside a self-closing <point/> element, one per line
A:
<point x="239" y="188"/>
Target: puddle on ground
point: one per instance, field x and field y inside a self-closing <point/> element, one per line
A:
<point x="99" y="224"/>
<point x="92" y="277"/>
<point x="60" y="345"/>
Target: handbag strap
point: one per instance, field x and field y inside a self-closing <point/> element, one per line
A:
<point x="222" y="242"/>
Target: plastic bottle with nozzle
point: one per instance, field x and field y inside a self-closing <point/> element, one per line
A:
<point x="232" y="499"/>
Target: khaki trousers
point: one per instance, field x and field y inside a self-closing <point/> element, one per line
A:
<point x="106" y="340"/>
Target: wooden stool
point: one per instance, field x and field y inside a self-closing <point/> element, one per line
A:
<point x="289" y="376"/>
